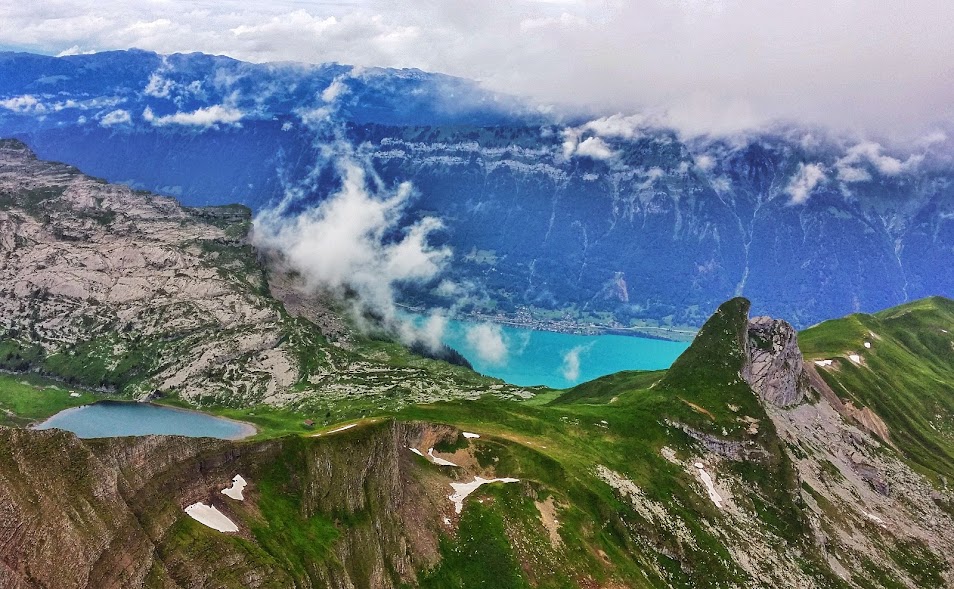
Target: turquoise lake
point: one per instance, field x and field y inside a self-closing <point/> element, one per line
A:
<point x="557" y="360"/>
<point x="112" y="419"/>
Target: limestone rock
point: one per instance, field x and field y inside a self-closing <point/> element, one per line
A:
<point x="775" y="367"/>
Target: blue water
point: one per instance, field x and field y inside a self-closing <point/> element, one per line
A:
<point x="111" y="419"/>
<point x="547" y="358"/>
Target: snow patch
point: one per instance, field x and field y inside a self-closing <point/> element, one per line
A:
<point x="235" y="491"/>
<point x="824" y="362"/>
<point x="868" y="345"/>
<point x="469" y="435"/>
<point x="462" y="490"/>
<point x="710" y="487"/>
<point x="855" y="358"/>
<point x="341" y="429"/>
<point x="438" y="460"/>
<point x="416" y="451"/>
<point x="210" y="516"/>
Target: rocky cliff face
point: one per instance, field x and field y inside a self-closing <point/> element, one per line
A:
<point x="775" y="367"/>
<point x="129" y="292"/>
<point x="353" y="511"/>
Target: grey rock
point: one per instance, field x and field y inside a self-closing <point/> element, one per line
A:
<point x="775" y="368"/>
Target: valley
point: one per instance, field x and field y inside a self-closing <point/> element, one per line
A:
<point x="651" y="232"/>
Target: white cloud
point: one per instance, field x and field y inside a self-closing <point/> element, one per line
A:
<point x="651" y="176"/>
<point x="116" y="117"/>
<point x="851" y="166"/>
<point x="335" y="89"/>
<point x="806" y="178"/>
<point x="850" y="174"/>
<point x="571" y="364"/>
<point x="592" y="147"/>
<point x="595" y="148"/>
<point x="705" y="162"/>
<point x="158" y="86"/>
<point x="702" y="66"/>
<point x="617" y="125"/>
<point x="933" y="137"/>
<point x="23" y="104"/>
<point x="74" y="50"/>
<point x="346" y="244"/>
<point x="431" y="333"/>
<point x="203" y="117"/>
<point x="488" y="342"/>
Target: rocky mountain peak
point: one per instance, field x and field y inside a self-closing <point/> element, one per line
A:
<point x="774" y="367"/>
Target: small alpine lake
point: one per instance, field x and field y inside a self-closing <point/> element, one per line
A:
<point x="527" y="357"/>
<point x="110" y="419"/>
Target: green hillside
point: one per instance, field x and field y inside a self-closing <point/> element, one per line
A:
<point x="906" y="377"/>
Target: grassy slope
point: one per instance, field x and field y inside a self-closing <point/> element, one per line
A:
<point x="25" y="398"/>
<point x="907" y="377"/>
<point x="619" y="422"/>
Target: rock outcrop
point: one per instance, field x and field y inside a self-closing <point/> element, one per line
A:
<point x="775" y="367"/>
<point x="109" y="513"/>
<point x="125" y="291"/>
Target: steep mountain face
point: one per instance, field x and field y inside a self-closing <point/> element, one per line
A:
<point x="775" y="369"/>
<point x="891" y="373"/>
<point x="346" y="512"/>
<point x="690" y="478"/>
<point x="608" y="220"/>
<point x="131" y="293"/>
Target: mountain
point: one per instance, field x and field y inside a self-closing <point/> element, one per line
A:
<point x="608" y="220"/>
<point x="894" y="366"/>
<point x="744" y="464"/>
<point x="125" y="292"/>
<point x="743" y="474"/>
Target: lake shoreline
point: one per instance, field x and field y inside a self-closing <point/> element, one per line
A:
<point x="246" y="429"/>
<point x="668" y="334"/>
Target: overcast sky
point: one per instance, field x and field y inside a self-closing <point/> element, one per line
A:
<point x="868" y="65"/>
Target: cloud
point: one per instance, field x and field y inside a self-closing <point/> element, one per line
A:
<point x="701" y="66"/>
<point x="116" y="117"/>
<point x="851" y="166"/>
<point x="23" y="104"/>
<point x="571" y="363"/>
<point x="488" y="342"/>
<point x="209" y="116"/>
<point x="158" y="86"/>
<point x="592" y="147"/>
<point x="806" y="178"/>
<point x="74" y="50"/>
<point x="356" y="243"/>
<point x="705" y="162"/>
<point x="617" y="125"/>
<point x="335" y="89"/>
<point x="431" y="333"/>
<point x="595" y="148"/>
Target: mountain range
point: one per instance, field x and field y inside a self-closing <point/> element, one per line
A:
<point x="763" y="457"/>
<point x="605" y="220"/>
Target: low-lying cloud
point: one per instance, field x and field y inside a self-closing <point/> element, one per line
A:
<point x="488" y="342"/>
<point x="358" y="245"/>
<point x="804" y="182"/>
<point x="852" y="167"/>
<point x="571" y="364"/>
<point x="115" y="117"/>
<point x="209" y="116"/>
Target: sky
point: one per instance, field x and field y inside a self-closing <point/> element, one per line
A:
<point x="876" y="66"/>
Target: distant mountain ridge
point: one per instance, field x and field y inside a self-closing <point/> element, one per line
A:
<point x="611" y="220"/>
